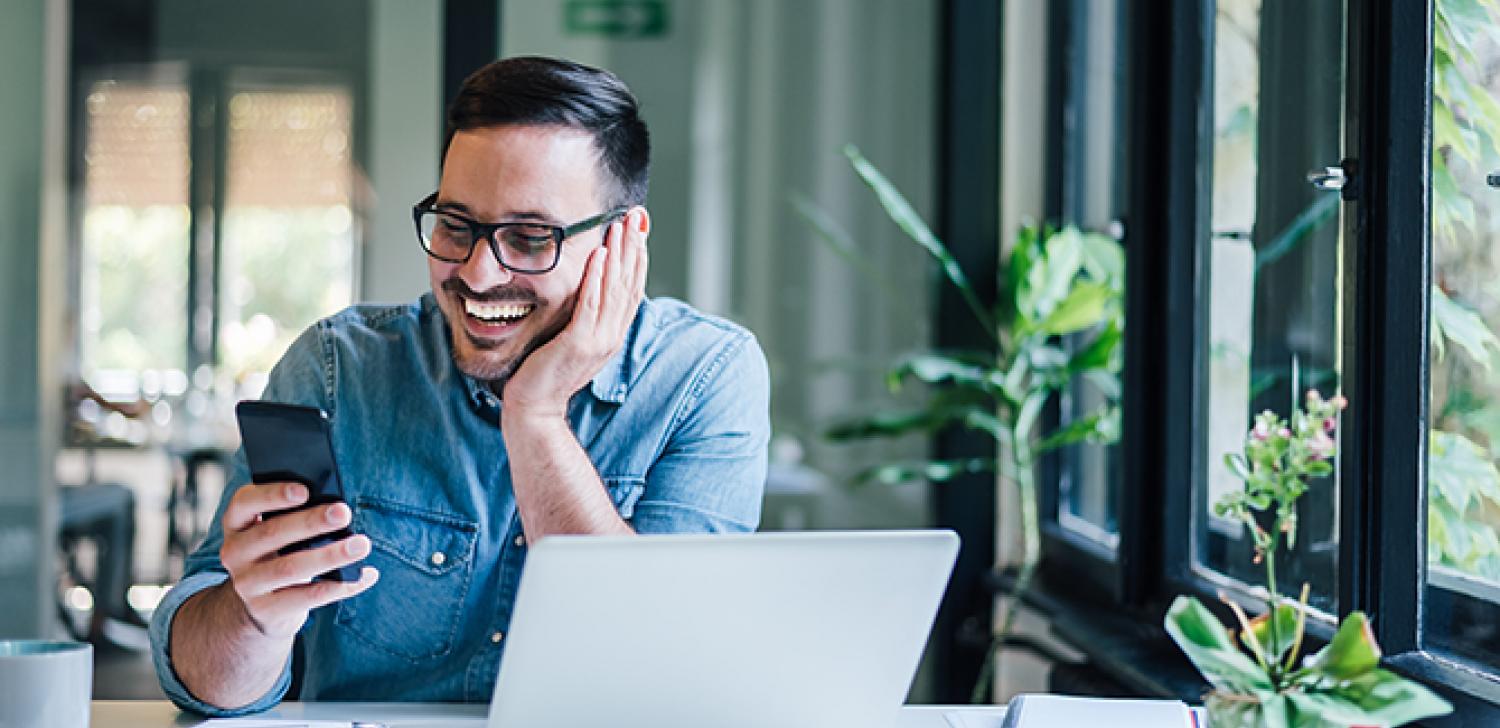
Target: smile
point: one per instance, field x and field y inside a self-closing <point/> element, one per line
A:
<point x="497" y="313"/>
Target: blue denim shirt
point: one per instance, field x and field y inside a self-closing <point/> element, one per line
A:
<point x="676" y="425"/>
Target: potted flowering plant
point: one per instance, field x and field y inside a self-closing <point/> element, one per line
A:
<point x="1270" y="687"/>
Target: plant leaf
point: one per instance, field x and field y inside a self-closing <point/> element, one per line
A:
<point x="1104" y="259"/>
<point x="1104" y="352"/>
<point x="1351" y="653"/>
<point x="1276" y="643"/>
<point x="1101" y="426"/>
<point x="1208" y="645"/>
<point x="937" y="415"/>
<point x="1385" y="698"/>
<point x="1083" y="306"/>
<point x="1460" y="470"/>
<point x="1463" y="326"/>
<point x="939" y="368"/>
<point x="905" y="216"/>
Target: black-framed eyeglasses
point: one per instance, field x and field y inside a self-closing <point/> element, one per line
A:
<point x="522" y="247"/>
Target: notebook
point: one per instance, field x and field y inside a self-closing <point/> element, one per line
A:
<point x="1050" y="711"/>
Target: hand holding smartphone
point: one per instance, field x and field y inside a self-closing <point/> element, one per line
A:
<point x="290" y="443"/>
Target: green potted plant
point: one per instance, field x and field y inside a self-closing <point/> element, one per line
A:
<point x="1058" y="319"/>
<point x="1271" y="686"/>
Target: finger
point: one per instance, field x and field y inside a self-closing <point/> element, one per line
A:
<point x="302" y="566"/>
<point x="624" y="287"/>
<point x="318" y="593"/>
<point x="254" y="499"/>
<point x="642" y="256"/>
<point x="277" y="533"/>
<point x="586" y="312"/>
<point x="630" y="251"/>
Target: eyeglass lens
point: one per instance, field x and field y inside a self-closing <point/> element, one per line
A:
<point x="522" y="247"/>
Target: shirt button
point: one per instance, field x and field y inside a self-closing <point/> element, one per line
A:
<point x="520" y="541"/>
<point x="438" y="558"/>
<point x="496" y="637"/>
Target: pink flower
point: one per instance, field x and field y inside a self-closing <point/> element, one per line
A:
<point x="1284" y="432"/>
<point x="1329" y="425"/>
<point x="1339" y="401"/>
<point x="1261" y="431"/>
<point x="1320" y="447"/>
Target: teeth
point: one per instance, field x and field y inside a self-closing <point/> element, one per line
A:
<point x="496" y="311"/>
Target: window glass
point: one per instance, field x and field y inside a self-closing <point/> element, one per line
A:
<point x="1463" y="487"/>
<point x="133" y="282"/>
<point x="1273" y="249"/>
<point x="287" y="257"/>
<point x="1094" y="199"/>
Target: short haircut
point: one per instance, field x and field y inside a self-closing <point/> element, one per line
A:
<point x="535" y="90"/>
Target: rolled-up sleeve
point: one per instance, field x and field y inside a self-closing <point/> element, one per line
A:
<point x="161" y="634"/>
<point x="299" y="378"/>
<point x="711" y="476"/>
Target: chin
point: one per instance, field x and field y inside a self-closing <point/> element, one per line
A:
<point x="486" y="365"/>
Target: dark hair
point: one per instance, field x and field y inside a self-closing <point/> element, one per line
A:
<point x="548" y="91"/>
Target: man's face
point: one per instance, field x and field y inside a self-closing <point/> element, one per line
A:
<point x="545" y="174"/>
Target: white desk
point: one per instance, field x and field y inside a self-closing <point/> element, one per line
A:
<point x="161" y="714"/>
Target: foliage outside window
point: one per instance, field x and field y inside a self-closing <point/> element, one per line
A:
<point x="133" y="315"/>
<point x="1464" y="485"/>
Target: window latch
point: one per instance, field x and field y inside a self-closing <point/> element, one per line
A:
<point x="1339" y="179"/>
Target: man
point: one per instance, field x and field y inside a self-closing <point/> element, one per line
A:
<point x="534" y="391"/>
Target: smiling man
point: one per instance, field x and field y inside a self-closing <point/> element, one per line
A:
<point x="534" y="391"/>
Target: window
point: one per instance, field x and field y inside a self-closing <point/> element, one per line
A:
<point x="1091" y="196"/>
<point x="1376" y="280"/>
<point x="216" y="214"/>
<point x="288" y="251"/>
<point x="135" y="226"/>
<point x="1462" y="592"/>
<point x="1273" y="246"/>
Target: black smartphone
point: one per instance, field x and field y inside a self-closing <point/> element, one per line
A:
<point x="291" y="443"/>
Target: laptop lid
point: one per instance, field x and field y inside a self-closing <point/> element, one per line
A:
<point x="778" y="629"/>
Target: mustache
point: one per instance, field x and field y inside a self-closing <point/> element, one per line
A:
<point x="507" y="293"/>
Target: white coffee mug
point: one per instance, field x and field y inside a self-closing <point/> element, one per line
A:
<point x="45" y="683"/>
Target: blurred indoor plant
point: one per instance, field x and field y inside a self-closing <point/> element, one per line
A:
<point x="1340" y="685"/>
<point x="1058" y="319"/>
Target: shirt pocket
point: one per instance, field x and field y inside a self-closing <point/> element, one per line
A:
<point x="426" y="561"/>
<point x="625" y="491"/>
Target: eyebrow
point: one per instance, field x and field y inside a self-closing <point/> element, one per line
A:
<point x="519" y="216"/>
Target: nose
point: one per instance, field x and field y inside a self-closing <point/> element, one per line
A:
<point x="483" y="271"/>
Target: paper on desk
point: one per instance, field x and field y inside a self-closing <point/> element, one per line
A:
<point x="272" y="723"/>
<point x="974" y="719"/>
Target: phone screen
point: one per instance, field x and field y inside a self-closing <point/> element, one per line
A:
<point x="291" y="443"/>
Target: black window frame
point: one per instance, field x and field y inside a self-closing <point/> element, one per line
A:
<point x="1387" y="272"/>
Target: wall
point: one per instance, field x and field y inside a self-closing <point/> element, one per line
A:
<point x="1022" y="169"/>
<point x="405" y="131"/>
<point x="33" y="73"/>
<point x="748" y="105"/>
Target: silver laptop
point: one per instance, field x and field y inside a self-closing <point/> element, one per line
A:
<point x="766" y="630"/>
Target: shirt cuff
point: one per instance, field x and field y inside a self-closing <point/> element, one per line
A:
<point x="161" y="640"/>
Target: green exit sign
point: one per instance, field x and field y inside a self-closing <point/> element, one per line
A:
<point x="616" y="18"/>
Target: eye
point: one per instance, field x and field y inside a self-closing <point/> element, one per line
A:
<point x="451" y="224"/>
<point x="529" y="238"/>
